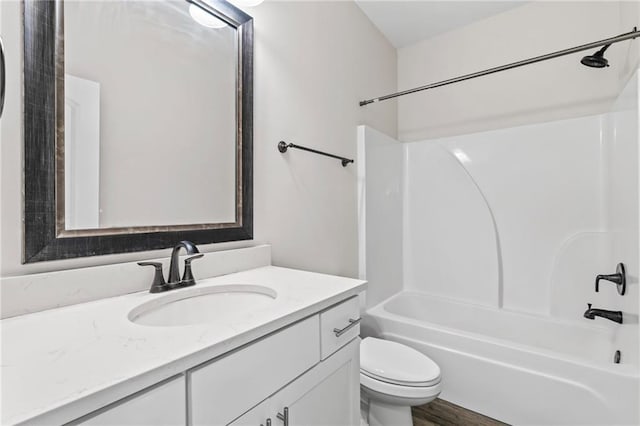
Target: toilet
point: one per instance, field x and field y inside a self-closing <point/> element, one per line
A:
<point x="393" y="378"/>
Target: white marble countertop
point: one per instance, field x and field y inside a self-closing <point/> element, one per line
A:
<point x="60" y="364"/>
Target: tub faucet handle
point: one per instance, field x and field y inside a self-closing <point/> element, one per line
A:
<point x="619" y="279"/>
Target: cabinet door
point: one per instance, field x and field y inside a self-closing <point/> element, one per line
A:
<point x="327" y="395"/>
<point x="257" y="416"/>
<point x="229" y="386"/>
<point x="164" y="404"/>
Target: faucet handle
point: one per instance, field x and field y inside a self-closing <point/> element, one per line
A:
<point x="187" y="276"/>
<point x="619" y="279"/>
<point x="588" y="305"/>
<point x="612" y="277"/>
<point x="159" y="284"/>
<point x="197" y="256"/>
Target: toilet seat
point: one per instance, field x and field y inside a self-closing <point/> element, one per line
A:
<point x="401" y="383"/>
<point x="400" y="392"/>
<point x="396" y="364"/>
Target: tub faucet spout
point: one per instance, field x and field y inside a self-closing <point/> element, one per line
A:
<point x="592" y="313"/>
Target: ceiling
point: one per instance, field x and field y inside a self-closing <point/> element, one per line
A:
<point x="406" y="22"/>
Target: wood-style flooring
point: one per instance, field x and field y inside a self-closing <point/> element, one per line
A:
<point x="443" y="413"/>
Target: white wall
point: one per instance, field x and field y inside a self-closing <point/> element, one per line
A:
<point x="629" y="17"/>
<point x="552" y="90"/>
<point x="313" y="62"/>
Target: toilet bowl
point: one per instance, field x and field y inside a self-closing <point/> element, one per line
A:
<point x="393" y="378"/>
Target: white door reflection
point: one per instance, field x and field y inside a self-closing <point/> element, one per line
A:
<point x="81" y="153"/>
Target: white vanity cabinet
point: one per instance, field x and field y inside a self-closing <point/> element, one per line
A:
<point x="257" y="341"/>
<point x="160" y="405"/>
<point x="305" y="374"/>
<point x="227" y="387"/>
<point x="327" y="395"/>
<point x="284" y="379"/>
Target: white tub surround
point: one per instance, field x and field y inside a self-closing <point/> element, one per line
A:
<point x="61" y="364"/>
<point x="380" y="210"/>
<point x="504" y="232"/>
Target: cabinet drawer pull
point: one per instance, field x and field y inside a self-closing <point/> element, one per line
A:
<point x="284" y="417"/>
<point x="352" y="323"/>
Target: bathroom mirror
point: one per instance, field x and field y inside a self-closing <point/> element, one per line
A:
<point x="137" y="125"/>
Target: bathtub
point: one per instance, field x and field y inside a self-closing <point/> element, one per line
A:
<point x="518" y="368"/>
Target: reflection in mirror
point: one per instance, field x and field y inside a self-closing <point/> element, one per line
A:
<point x="150" y="115"/>
<point x="138" y="125"/>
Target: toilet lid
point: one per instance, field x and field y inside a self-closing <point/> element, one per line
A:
<point x="395" y="363"/>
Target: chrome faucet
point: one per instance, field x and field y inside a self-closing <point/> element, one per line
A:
<point x="592" y="313"/>
<point x="159" y="285"/>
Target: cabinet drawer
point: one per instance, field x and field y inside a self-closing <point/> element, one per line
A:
<point x="163" y="404"/>
<point x="337" y="327"/>
<point x="229" y="386"/>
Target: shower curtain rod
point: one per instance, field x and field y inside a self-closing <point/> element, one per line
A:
<point x="630" y="35"/>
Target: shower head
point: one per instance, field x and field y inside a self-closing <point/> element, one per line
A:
<point x="597" y="60"/>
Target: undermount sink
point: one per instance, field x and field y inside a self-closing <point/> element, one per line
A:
<point x="202" y="305"/>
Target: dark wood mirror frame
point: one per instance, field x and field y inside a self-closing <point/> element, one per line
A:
<point x="44" y="239"/>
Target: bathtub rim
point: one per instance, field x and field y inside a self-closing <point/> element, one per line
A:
<point x="624" y="370"/>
